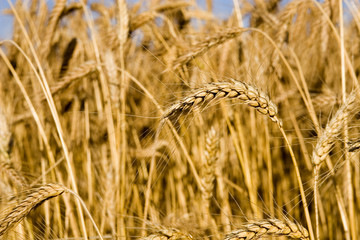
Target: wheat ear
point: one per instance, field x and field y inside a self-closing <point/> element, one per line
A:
<point x="269" y="227"/>
<point x="12" y="173"/>
<point x="145" y="17"/>
<point x="51" y="26"/>
<point x="34" y="199"/>
<point x="5" y="134"/>
<point x="79" y="72"/>
<point x="205" y="45"/>
<point x="208" y="176"/>
<point x="333" y="129"/>
<point x="326" y="141"/>
<point x="168" y="234"/>
<point x="231" y="90"/>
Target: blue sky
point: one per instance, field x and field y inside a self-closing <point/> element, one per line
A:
<point x="222" y="9"/>
<point x="5" y="21"/>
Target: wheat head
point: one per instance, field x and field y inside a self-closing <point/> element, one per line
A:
<point x="33" y="199"/>
<point x="269" y="227"/>
<point x="332" y="130"/>
<point x="246" y="93"/>
<point x="205" y="45"/>
<point x="8" y="169"/>
<point x="168" y="234"/>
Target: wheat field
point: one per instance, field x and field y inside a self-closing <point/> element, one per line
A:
<point x="161" y="120"/>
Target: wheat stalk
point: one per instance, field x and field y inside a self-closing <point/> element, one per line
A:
<point x="231" y="90"/>
<point x="326" y="141"/>
<point x="269" y="227"/>
<point x="112" y="74"/>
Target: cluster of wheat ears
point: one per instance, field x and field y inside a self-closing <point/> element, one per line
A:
<point x="161" y="120"/>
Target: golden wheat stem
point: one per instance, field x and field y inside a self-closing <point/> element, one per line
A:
<point x="238" y="139"/>
<point x="298" y="177"/>
<point x="325" y="143"/>
<point x="87" y="212"/>
<point x="123" y="33"/>
<point x="316" y="181"/>
<point x="348" y="177"/>
<point x="238" y="13"/>
<point x="106" y="95"/>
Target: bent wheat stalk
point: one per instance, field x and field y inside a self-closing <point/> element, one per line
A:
<point x="249" y="95"/>
<point x="269" y="227"/>
<point x="326" y="141"/>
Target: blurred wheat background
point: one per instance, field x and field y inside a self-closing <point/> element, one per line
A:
<point x="161" y="120"/>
